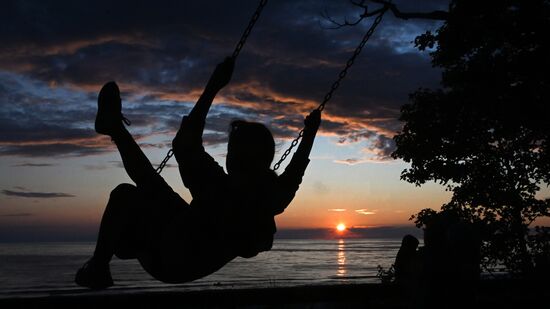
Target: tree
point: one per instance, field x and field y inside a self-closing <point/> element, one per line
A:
<point x="485" y="133"/>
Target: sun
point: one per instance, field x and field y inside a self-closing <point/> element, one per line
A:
<point x="341" y="227"/>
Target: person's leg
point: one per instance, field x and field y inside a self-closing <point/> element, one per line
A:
<point x="136" y="164"/>
<point x="109" y="121"/>
<point x="117" y="235"/>
<point x="117" y="230"/>
<point x="124" y="215"/>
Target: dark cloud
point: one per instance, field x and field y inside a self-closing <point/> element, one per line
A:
<point x="29" y="194"/>
<point x="27" y="164"/>
<point x="357" y="136"/>
<point x="96" y="167"/>
<point x="17" y="215"/>
<point x="382" y="147"/>
<point x="378" y="149"/>
<point x="56" y="55"/>
<point x="35" y="130"/>
<point x="50" y="150"/>
<point x="117" y="164"/>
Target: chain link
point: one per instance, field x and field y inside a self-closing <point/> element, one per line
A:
<point x="236" y="52"/>
<point x="248" y="29"/>
<point x="165" y="160"/>
<point x="336" y="84"/>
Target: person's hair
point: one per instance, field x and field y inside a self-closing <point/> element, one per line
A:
<point x="252" y="144"/>
<point x="409" y="242"/>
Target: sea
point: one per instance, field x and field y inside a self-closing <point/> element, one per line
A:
<point x="44" y="269"/>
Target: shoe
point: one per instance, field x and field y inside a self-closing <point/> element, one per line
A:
<point x="109" y="115"/>
<point x="94" y="275"/>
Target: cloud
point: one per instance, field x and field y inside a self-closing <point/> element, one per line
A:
<point x="56" y="55"/>
<point x="382" y="147"/>
<point x="378" y="149"/>
<point x="117" y="164"/>
<point x="101" y="167"/>
<point x="38" y="122"/>
<point x="17" y="215"/>
<point x="337" y="209"/>
<point x="351" y="161"/>
<point x="321" y="188"/>
<point x="50" y="150"/>
<point x="35" y="194"/>
<point x="366" y="211"/>
<point x="27" y="164"/>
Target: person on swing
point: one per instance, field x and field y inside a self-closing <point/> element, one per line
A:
<point x="231" y="214"/>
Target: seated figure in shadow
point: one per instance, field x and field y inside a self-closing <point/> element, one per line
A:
<point x="407" y="262"/>
<point x="231" y="213"/>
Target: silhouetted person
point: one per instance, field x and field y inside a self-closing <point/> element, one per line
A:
<point x="231" y="214"/>
<point x="407" y="264"/>
<point x="408" y="270"/>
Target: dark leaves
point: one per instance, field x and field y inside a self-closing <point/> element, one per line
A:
<point x="485" y="133"/>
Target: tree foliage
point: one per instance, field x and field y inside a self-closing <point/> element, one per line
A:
<point x="485" y="133"/>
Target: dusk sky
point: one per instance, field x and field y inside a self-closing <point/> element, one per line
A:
<point x="55" y="56"/>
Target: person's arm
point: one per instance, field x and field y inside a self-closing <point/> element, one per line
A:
<point x="312" y="122"/>
<point x="197" y="167"/>
<point x="192" y="125"/>
<point x="219" y="79"/>
<point x="291" y="178"/>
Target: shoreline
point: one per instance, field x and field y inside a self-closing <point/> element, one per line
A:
<point x="496" y="293"/>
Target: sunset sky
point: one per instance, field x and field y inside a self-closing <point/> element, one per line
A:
<point x="55" y="56"/>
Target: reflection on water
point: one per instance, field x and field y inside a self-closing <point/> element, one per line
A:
<point x="43" y="268"/>
<point x="341" y="259"/>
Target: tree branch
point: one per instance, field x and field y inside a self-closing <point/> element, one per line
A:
<point x="434" y="15"/>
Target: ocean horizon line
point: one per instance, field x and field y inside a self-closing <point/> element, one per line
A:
<point x="31" y="234"/>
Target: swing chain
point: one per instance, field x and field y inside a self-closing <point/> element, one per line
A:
<point x="248" y="29"/>
<point x="165" y="160"/>
<point x="289" y="150"/>
<point x="236" y="52"/>
<point x="336" y="84"/>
